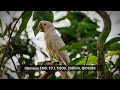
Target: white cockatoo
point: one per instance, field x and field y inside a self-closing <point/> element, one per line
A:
<point x="53" y="43"/>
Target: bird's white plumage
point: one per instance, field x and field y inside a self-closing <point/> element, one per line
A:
<point x="53" y="43"/>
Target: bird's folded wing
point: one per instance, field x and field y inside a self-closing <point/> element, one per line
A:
<point x="56" y="43"/>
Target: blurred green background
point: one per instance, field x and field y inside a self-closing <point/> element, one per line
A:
<point x="80" y="35"/>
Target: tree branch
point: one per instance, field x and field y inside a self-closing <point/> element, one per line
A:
<point x="101" y="41"/>
<point x="7" y="45"/>
<point x="47" y="73"/>
<point x="44" y="76"/>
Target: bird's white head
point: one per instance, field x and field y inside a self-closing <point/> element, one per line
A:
<point x="44" y="26"/>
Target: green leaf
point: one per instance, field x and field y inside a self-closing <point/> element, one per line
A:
<point x="116" y="76"/>
<point x="66" y="47"/>
<point x="113" y="46"/>
<point x="92" y="48"/>
<point x="35" y="27"/>
<point x="117" y="52"/>
<point x="73" y="53"/>
<point x="0" y="23"/>
<point x="117" y="63"/>
<point x="112" y="64"/>
<point x="103" y="37"/>
<point x="77" y="45"/>
<point x="67" y="30"/>
<point x="5" y="32"/>
<point x="60" y="19"/>
<point x="112" y="41"/>
<point x="74" y="62"/>
<point x="91" y="60"/>
<point x="75" y="16"/>
<point x="51" y="76"/>
<point x="2" y="47"/>
<point x="48" y="15"/>
<point x="88" y="20"/>
<point x="88" y="24"/>
<point x="25" y="18"/>
<point x="37" y="14"/>
<point x="90" y="34"/>
<point x="43" y="15"/>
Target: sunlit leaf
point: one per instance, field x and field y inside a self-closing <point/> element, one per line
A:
<point x="25" y="18"/>
<point x="91" y="60"/>
<point x="111" y="53"/>
<point x="74" y="62"/>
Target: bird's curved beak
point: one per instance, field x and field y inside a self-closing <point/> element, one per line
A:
<point x="41" y="28"/>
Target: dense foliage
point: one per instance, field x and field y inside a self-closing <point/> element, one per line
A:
<point x="80" y="38"/>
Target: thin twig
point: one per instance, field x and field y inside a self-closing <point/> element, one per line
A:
<point x="85" y="64"/>
<point x="114" y="71"/>
<point x="7" y="45"/>
<point x="10" y="69"/>
<point x="14" y="66"/>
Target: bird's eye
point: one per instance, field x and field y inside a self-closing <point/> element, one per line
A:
<point x="44" y="23"/>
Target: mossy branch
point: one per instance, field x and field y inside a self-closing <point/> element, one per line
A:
<point x="101" y="41"/>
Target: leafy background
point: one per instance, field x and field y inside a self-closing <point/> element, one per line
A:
<point x="80" y="36"/>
